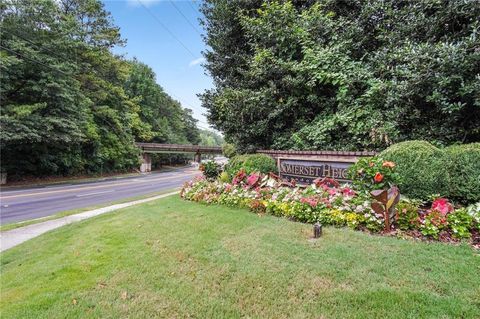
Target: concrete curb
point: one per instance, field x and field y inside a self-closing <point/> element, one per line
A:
<point x="14" y="237"/>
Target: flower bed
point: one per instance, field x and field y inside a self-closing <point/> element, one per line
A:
<point x="329" y="203"/>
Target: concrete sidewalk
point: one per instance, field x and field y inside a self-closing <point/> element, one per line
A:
<point x="14" y="237"/>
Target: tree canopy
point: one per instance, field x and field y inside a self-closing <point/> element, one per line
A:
<point x="210" y="138"/>
<point x="345" y="75"/>
<point x="68" y="104"/>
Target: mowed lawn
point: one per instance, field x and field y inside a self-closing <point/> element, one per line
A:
<point x="177" y="259"/>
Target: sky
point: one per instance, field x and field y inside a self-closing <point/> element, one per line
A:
<point x="166" y="36"/>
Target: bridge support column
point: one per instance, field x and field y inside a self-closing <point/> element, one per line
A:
<point x="198" y="157"/>
<point x="146" y="165"/>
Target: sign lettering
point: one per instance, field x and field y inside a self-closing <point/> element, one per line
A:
<point x="305" y="171"/>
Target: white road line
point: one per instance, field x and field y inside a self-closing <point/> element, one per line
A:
<point x="4" y="196"/>
<point x="97" y="193"/>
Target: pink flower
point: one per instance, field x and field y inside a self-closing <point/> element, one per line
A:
<point x="442" y="206"/>
<point x="332" y="191"/>
<point x="310" y="201"/>
<point x="347" y="191"/>
<point x="252" y="180"/>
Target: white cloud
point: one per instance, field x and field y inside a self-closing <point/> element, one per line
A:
<point x="196" y="61"/>
<point x="147" y="3"/>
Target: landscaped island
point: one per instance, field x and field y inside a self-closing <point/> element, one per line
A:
<point x="372" y="202"/>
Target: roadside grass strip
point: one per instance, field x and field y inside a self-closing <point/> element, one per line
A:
<point x="16" y="236"/>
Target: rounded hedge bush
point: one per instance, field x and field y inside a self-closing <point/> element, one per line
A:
<point x="463" y="168"/>
<point x="251" y="163"/>
<point x="235" y="164"/>
<point x="421" y="167"/>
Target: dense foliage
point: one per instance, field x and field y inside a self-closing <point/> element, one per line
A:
<point x="374" y="173"/>
<point x="68" y="104"/>
<point x="421" y="166"/>
<point x="229" y="150"/>
<point x="337" y="74"/>
<point x="210" y="169"/>
<point x="251" y="163"/>
<point x="336" y="205"/>
<point x="210" y="138"/>
<point x="463" y="168"/>
<point x="426" y="170"/>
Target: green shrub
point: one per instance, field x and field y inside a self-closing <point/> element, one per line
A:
<point x="225" y="177"/>
<point x="229" y="150"/>
<point x="210" y="169"/>
<point x="474" y="211"/>
<point x="371" y="173"/>
<point x="408" y="215"/>
<point x="463" y="168"/>
<point x="421" y="167"/>
<point x="260" y="163"/>
<point x="235" y="164"/>
<point x="251" y="163"/>
<point x="433" y="224"/>
<point x="459" y="221"/>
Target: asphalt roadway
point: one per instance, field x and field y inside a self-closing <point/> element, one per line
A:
<point x="36" y="202"/>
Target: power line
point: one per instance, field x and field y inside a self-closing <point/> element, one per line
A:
<point x="181" y="100"/>
<point x="40" y="48"/>
<point x="191" y="5"/>
<point x="167" y="29"/>
<point x="37" y="45"/>
<point x="184" y="17"/>
<point x="33" y="60"/>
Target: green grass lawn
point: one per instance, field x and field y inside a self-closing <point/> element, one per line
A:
<point x="175" y="259"/>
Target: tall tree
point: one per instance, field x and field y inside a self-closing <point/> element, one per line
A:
<point x="210" y="138"/>
<point x="68" y="104"/>
<point x="192" y="134"/>
<point x="337" y="74"/>
<point x="43" y="119"/>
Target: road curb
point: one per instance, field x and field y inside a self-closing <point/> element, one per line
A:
<point x="14" y="237"/>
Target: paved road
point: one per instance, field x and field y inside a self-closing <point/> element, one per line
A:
<point x="30" y="203"/>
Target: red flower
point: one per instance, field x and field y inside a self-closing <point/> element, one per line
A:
<point x="239" y="177"/>
<point x="378" y="177"/>
<point x="442" y="206"/>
